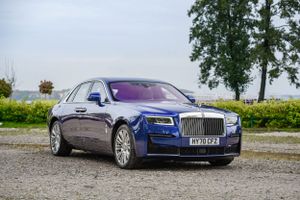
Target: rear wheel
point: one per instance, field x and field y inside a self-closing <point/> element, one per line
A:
<point x="59" y="146"/>
<point x="221" y="161"/>
<point x="124" y="150"/>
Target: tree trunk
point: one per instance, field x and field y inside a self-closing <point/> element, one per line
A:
<point x="266" y="46"/>
<point x="237" y="94"/>
<point x="263" y="81"/>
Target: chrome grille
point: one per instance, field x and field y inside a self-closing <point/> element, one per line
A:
<point x="191" y="126"/>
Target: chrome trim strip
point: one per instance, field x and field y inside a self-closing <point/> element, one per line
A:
<point x="201" y="115"/>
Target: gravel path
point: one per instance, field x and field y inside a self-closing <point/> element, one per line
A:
<point x="29" y="171"/>
<point x="36" y="174"/>
<point x="40" y="136"/>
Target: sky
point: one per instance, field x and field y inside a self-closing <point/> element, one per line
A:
<point x="68" y="41"/>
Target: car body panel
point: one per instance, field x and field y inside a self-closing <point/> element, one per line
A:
<point x="93" y="130"/>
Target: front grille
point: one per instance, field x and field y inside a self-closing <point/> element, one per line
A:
<point x="194" y="126"/>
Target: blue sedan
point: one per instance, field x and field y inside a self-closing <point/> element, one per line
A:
<point x="137" y="119"/>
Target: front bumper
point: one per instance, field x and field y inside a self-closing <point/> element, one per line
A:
<point x="161" y="147"/>
<point x="171" y="144"/>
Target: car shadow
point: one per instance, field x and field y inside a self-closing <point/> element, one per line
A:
<point x="149" y="165"/>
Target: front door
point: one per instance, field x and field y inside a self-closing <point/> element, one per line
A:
<point x="92" y="122"/>
<point x="75" y="108"/>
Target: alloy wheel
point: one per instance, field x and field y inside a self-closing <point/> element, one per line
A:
<point x="55" y="138"/>
<point x="122" y="147"/>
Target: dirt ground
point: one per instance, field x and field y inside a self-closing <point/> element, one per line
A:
<point x="29" y="171"/>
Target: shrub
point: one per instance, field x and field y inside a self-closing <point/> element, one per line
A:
<point x="14" y="111"/>
<point x="272" y="114"/>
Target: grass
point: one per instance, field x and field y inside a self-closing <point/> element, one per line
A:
<point x="22" y="125"/>
<point x="271" y="139"/>
<point x="26" y="146"/>
<point x="24" y="131"/>
<point x="270" y="156"/>
<point x="259" y="130"/>
<point x="246" y="130"/>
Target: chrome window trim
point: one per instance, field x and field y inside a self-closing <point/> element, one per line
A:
<point x="92" y="81"/>
<point x="104" y="90"/>
<point x="73" y="90"/>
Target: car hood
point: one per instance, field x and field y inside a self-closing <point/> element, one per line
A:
<point x="171" y="108"/>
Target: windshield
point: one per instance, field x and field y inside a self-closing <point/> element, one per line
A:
<point x="145" y="91"/>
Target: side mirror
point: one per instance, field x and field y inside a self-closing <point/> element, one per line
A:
<point x="191" y="98"/>
<point x="95" y="96"/>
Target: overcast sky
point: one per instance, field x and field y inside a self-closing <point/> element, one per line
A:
<point x="69" y="41"/>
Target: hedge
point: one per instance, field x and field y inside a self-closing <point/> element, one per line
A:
<point x="34" y="112"/>
<point x="273" y="114"/>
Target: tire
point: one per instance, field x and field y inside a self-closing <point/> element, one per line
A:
<point x="58" y="145"/>
<point x="221" y="161"/>
<point x="124" y="149"/>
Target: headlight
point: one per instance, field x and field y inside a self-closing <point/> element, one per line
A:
<point x="160" y="120"/>
<point x="231" y="120"/>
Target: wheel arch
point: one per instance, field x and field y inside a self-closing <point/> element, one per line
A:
<point x="119" y="123"/>
<point x="53" y="119"/>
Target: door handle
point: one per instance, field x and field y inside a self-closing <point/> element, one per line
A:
<point x="81" y="110"/>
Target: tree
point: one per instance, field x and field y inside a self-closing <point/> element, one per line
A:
<point x="277" y="45"/>
<point x="46" y="87"/>
<point x="220" y="40"/>
<point x="5" y="88"/>
<point x="10" y="74"/>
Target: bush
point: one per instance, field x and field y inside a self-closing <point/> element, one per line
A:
<point x="272" y="114"/>
<point x="14" y="111"/>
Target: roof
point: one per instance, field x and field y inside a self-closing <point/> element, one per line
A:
<point x="117" y="79"/>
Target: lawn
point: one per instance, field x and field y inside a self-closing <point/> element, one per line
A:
<point x="22" y="125"/>
<point x="271" y="139"/>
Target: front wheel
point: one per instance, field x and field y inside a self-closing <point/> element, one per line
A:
<point x="124" y="150"/>
<point x="59" y="146"/>
<point x="221" y="161"/>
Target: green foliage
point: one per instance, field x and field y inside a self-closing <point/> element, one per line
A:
<point x="277" y="47"/>
<point x="46" y="87"/>
<point x="5" y="88"/>
<point x="221" y="42"/>
<point x="35" y="112"/>
<point x="273" y="114"/>
<point x="232" y="37"/>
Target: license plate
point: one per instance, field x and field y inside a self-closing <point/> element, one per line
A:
<point x="204" y="141"/>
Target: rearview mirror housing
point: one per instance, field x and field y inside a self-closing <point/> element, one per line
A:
<point x="95" y="96"/>
<point x="191" y="98"/>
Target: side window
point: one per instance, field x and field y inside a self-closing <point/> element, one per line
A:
<point x="99" y="87"/>
<point x="71" y="97"/>
<point x="81" y="95"/>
